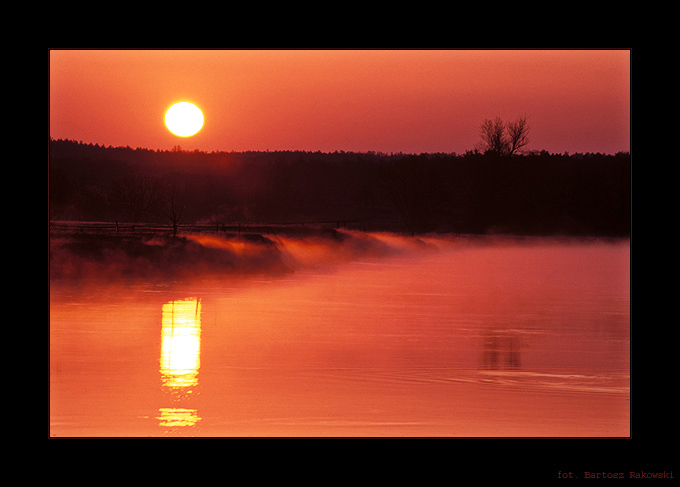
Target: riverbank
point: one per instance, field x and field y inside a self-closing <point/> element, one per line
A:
<point x="110" y="256"/>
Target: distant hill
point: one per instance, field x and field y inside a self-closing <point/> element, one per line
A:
<point x="532" y="194"/>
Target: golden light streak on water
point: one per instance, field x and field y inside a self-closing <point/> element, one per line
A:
<point x="177" y="417"/>
<point x="180" y="358"/>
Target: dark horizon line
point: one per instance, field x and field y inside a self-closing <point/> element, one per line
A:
<point x="376" y="152"/>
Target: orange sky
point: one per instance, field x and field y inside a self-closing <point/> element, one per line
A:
<point x="387" y="100"/>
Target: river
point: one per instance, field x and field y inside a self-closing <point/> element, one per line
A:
<point x="448" y="337"/>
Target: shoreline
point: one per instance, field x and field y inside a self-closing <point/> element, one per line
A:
<point x="75" y="255"/>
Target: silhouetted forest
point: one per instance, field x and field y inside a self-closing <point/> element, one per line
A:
<point x="532" y="194"/>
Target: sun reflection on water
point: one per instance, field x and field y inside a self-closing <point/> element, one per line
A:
<point x="180" y="358"/>
<point x="174" y="417"/>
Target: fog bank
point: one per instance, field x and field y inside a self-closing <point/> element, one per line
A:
<point x="108" y="257"/>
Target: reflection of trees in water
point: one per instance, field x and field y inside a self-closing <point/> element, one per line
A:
<point x="500" y="349"/>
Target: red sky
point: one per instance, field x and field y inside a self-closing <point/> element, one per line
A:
<point x="354" y="100"/>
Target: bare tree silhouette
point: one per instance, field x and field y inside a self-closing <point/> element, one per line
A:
<point x="492" y="133"/>
<point x="137" y="196"/>
<point x="518" y="134"/>
<point x="503" y="139"/>
<point x="175" y="207"/>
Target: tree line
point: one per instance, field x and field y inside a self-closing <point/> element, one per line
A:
<point x="489" y="189"/>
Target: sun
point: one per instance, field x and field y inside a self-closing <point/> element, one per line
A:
<point x="184" y="119"/>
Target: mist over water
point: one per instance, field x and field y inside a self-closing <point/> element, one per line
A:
<point x="112" y="257"/>
<point x="341" y="333"/>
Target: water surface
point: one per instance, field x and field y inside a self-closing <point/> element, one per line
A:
<point x="449" y="337"/>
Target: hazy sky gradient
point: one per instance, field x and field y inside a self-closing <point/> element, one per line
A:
<point x="391" y="101"/>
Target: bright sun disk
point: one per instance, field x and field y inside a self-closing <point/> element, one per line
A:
<point x="184" y="119"/>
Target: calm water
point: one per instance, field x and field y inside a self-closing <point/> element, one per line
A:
<point x="448" y="338"/>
